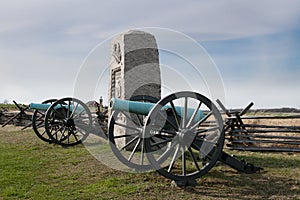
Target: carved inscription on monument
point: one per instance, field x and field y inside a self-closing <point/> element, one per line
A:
<point x="116" y="82"/>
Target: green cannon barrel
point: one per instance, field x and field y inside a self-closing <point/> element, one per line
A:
<point x="44" y="107"/>
<point x="39" y="106"/>
<point x="144" y="108"/>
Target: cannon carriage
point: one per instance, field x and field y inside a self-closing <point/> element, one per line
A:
<point x="66" y="121"/>
<point x="181" y="136"/>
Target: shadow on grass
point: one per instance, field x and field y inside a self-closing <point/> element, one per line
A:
<point x="279" y="179"/>
<point x="271" y="160"/>
<point x="243" y="186"/>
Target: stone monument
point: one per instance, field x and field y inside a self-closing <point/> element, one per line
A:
<point x="134" y="68"/>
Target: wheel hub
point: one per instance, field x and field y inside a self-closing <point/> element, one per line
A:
<point x="70" y="123"/>
<point x="186" y="136"/>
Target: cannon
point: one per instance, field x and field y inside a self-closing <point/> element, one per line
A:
<point x="66" y="121"/>
<point x="38" y="121"/>
<point x="181" y="136"/>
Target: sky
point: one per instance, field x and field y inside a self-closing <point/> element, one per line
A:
<point x="254" y="44"/>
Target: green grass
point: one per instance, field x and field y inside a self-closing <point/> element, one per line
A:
<point x="32" y="169"/>
<point x="9" y="106"/>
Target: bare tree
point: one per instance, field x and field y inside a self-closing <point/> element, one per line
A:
<point x="5" y="101"/>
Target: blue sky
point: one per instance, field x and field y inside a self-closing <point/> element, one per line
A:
<point x="253" y="43"/>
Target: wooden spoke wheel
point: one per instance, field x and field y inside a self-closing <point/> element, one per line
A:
<point x="68" y="121"/>
<point x="125" y="136"/>
<point x="38" y="122"/>
<point x="190" y="132"/>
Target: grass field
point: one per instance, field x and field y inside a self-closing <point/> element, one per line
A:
<point x="32" y="169"/>
<point x="10" y="107"/>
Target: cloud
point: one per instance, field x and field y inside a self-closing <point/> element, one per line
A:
<point x="46" y="41"/>
<point x="206" y="20"/>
